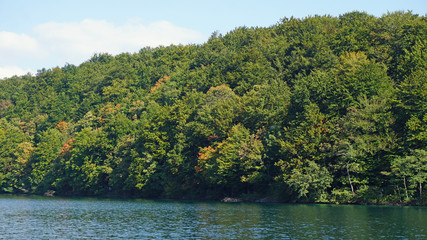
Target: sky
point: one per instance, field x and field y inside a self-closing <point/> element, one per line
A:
<point x="51" y="33"/>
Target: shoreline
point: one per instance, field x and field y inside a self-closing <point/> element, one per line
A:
<point x="223" y="200"/>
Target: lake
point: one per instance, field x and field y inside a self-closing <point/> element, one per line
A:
<point x="35" y="217"/>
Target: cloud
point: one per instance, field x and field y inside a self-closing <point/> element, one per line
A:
<point x="79" y="40"/>
<point x="9" y="71"/>
<point x="14" y="46"/>
<point x="57" y="43"/>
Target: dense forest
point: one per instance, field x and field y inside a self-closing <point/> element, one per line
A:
<point x="321" y="109"/>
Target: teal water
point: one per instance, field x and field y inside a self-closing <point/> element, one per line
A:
<point x="32" y="217"/>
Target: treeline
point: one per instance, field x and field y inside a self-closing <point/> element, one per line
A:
<point x="320" y="109"/>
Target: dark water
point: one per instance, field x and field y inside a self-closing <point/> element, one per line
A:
<point x="25" y="217"/>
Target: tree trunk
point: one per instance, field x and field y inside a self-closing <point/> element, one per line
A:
<point x="420" y="187"/>
<point x="398" y="192"/>
<point x="406" y="188"/>
<point x="349" y="179"/>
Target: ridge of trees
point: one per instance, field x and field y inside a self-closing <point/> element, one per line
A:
<point x="320" y="109"/>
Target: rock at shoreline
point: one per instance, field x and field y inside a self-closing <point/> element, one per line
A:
<point x="49" y="193"/>
<point x="230" y="199"/>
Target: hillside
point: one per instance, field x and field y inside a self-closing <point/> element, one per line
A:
<point x="320" y="109"/>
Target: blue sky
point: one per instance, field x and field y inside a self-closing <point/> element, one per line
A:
<point x="48" y="33"/>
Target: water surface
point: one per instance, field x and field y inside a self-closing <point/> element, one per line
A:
<point x="34" y="217"/>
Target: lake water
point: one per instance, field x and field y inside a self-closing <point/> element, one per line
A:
<point x="33" y="217"/>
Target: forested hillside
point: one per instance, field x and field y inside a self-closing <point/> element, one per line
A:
<point x="320" y="109"/>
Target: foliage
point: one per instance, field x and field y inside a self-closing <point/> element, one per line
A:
<point x="320" y="109"/>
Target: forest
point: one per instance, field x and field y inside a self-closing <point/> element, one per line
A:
<point x="316" y="110"/>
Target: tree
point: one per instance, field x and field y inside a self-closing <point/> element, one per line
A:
<point x="412" y="109"/>
<point x="236" y="160"/>
<point x="310" y="181"/>
<point x="365" y="132"/>
<point x="265" y="105"/>
<point x="15" y="153"/>
<point x="356" y="77"/>
<point x="47" y="151"/>
<point x="85" y="168"/>
<point x="306" y="152"/>
<point x="218" y="111"/>
<point x="412" y="169"/>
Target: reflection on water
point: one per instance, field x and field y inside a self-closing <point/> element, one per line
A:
<point x="29" y="217"/>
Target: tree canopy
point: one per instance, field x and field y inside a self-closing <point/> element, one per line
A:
<point x="320" y="109"/>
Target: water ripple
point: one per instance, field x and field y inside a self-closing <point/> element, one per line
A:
<point x="25" y="217"/>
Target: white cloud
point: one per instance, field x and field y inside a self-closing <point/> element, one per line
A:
<point x="16" y="46"/>
<point x="79" y="40"/>
<point x="54" y="44"/>
<point x="8" y="71"/>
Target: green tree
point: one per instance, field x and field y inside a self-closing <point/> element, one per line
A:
<point x="15" y="153"/>
<point x="47" y="151"/>
<point x="305" y="149"/>
<point x="412" y="169"/>
<point x="236" y="160"/>
<point x="265" y="105"/>
<point x="217" y="113"/>
<point x="310" y="181"/>
<point x="364" y="132"/>
<point x="85" y="167"/>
